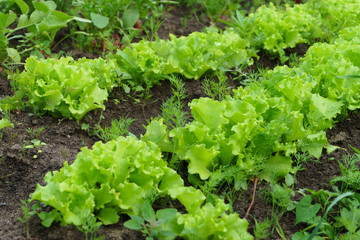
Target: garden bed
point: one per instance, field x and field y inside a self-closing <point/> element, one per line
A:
<point x="21" y="168"/>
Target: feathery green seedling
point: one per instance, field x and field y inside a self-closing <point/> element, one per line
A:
<point x="172" y="109"/>
<point x="218" y="90"/>
<point x="262" y="229"/>
<point x="350" y="172"/>
<point x="118" y="128"/>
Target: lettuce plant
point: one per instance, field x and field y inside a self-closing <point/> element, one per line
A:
<point x="120" y="177"/>
<point x="277" y="29"/>
<point x="111" y="179"/>
<point x="149" y="62"/>
<point x="65" y="87"/>
<point x="334" y="15"/>
<point x="325" y="62"/>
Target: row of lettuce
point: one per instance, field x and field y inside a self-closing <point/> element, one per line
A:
<point x="69" y="88"/>
<point x="265" y="123"/>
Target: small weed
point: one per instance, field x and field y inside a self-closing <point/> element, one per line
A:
<point x="294" y="60"/>
<point x="262" y="229"/>
<point x="172" y="109"/>
<point x="90" y="228"/>
<point x="35" y="133"/>
<point x="28" y="211"/>
<point x="214" y="8"/>
<point x="350" y="172"/>
<point x="151" y="27"/>
<point x="33" y="144"/>
<point x="218" y="90"/>
<point x="249" y="76"/>
<point x="151" y="224"/>
<point x="92" y="131"/>
<point x="118" y="128"/>
<point x="64" y="153"/>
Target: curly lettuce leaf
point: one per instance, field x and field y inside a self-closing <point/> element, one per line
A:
<point x="65" y="87"/>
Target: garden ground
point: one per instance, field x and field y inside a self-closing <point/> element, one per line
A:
<point x="20" y="171"/>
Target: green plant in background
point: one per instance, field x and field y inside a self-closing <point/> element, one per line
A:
<point x="116" y="22"/>
<point x="41" y="26"/>
<point x="150" y="27"/>
<point x="118" y="128"/>
<point x="146" y="63"/>
<point x="153" y="225"/>
<point x="214" y="8"/>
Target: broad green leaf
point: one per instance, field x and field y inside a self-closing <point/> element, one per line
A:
<point x="148" y="212"/>
<point x="135" y="223"/>
<point x="275" y="168"/>
<point x="108" y="216"/>
<point x="157" y="132"/>
<point x="305" y="210"/>
<point x="208" y="112"/>
<point x="239" y="111"/>
<point x="23" y="21"/>
<point x="166" y="215"/>
<point x="49" y="218"/>
<point x="200" y="158"/>
<point x="350" y="217"/>
<point x="190" y="197"/>
<point x="53" y="23"/>
<point x="322" y="112"/>
<point x="23" y="6"/>
<point x="103" y="195"/>
<point x="171" y="181"/>
<point x="42" y="10"/>
<point x="333" y="203"/>
<point x="6" y="19"/>
<point x="314" y="143"/>
<point x="129" y="17"/>
<point x="99" y="20"/>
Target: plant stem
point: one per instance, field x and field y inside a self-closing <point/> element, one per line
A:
<point x="253" y="198"/>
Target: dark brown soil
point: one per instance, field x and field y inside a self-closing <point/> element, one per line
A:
<point x="20" y="171"/>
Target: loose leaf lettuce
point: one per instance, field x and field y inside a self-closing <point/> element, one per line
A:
<point x="65" y="87"/>
<point x="111" y="179"/>
<point x="148" y="62"/>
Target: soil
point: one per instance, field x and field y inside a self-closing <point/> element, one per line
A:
<point x="20" y="171"/>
